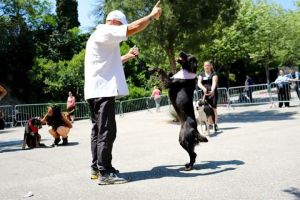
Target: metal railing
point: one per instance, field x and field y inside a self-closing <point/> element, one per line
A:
<point x="7" y="115"/>
<point x="25" y="111"/>
<point x="222" y="96"/>
<point x="145" y="103"/>
<point x="285" y="93"/>
<point x="247" y="95"/>
<point x="233" y="96"/>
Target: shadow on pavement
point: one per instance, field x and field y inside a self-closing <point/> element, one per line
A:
<point x="69" y="144"/>
<point x="16" y="145"/>
<point x="220" y="131"/>
<point x="294" y="191"/>
<point x="6" y="131"/>
<point x="256" y="116"/>
<point x="229" y="128"/>
<point x="13" y="145"/>
<point x="203" y="169"/>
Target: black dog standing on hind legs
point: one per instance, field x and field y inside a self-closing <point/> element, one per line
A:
<point x="181" y="92"/>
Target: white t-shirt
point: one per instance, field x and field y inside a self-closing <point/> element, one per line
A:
<point x="103" y="68"/>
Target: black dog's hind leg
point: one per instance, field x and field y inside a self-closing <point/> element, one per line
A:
<point x="190" y="150"/>
<point x="189" y="146"/>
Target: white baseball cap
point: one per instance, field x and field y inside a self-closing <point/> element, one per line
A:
<point x="117" y="15"/>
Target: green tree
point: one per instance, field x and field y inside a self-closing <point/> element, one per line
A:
<point x="57" y="78"/>
<point x="289" y="42"/>
<point x="64" y="41"/>
<point x="19" y="21"/>
<point x="67" y="14"/>
<point x="258" y="36"/>
<point x="183" y="24"/>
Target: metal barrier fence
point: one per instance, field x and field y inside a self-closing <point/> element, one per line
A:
<point x="7" y="115"/>
<point x="145" y="103"/>
<point x="233" y="96"/>
<point x="24" y="112"/>
<point x="222" y="96"/>
<point x="285" y="93"/>
<point x="246" y="95"/>
<point x="82" y="110"/>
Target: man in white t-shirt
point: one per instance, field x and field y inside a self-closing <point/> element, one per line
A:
<point x="104" y="81"/>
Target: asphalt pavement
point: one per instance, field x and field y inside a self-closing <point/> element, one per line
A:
<point x="255" y="155"/>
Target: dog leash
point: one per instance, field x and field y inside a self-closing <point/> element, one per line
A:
<point x="204" y="100"/>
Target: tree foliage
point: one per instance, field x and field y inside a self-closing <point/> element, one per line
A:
<point x="263" y="36"/>
<point x="67" y="15"/>
<point x="183" y="24"/>
<point x="19" y="21"/>
<point x="43" y="52"/>
<point x="60" y="77"/>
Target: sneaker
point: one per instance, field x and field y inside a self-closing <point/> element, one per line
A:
<point x="112" y="178"/>
<point x="94" y="174"/>
<point x="216" y="127"/>
<point x="65" y="141"/>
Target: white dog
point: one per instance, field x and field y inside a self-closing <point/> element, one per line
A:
<point x="204" y="111"/>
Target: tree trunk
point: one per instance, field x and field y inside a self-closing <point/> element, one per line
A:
<point x="227" y="76"/>
<point x="267" y="72"/>
<point x="172" y="61"/>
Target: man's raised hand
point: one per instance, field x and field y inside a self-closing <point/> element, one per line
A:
<point x="156" y="11"/>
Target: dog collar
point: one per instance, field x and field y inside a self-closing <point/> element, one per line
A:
<point x="33" y="128"/>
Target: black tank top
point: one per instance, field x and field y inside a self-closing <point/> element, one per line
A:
<point x="207" y="80"/>
<point x="55" y="122"/>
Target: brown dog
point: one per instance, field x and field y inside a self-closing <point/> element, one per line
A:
<point x="31" y="136"/>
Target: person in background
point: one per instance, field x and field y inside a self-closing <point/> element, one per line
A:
<point x="156" y="96"/>
<point x="248" y="88"/>
<point x="294" y="78"/>
<point x="104" y="82"/>
<point x="283" y="89"/>
<point x="71" y="106"/>
<point x="208" y="82"/>
<point x="3" y="92"/>
<point x="59" y="125"/>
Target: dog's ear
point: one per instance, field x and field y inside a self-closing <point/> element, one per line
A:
<point x="193" y="64"/>
<point x="183" y="57"/>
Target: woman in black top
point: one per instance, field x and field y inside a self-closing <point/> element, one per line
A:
<point x="208" y="81"/>
<point x="59" y="125"/>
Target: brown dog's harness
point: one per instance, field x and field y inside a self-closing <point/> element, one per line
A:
<point x="33" y="128"/>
